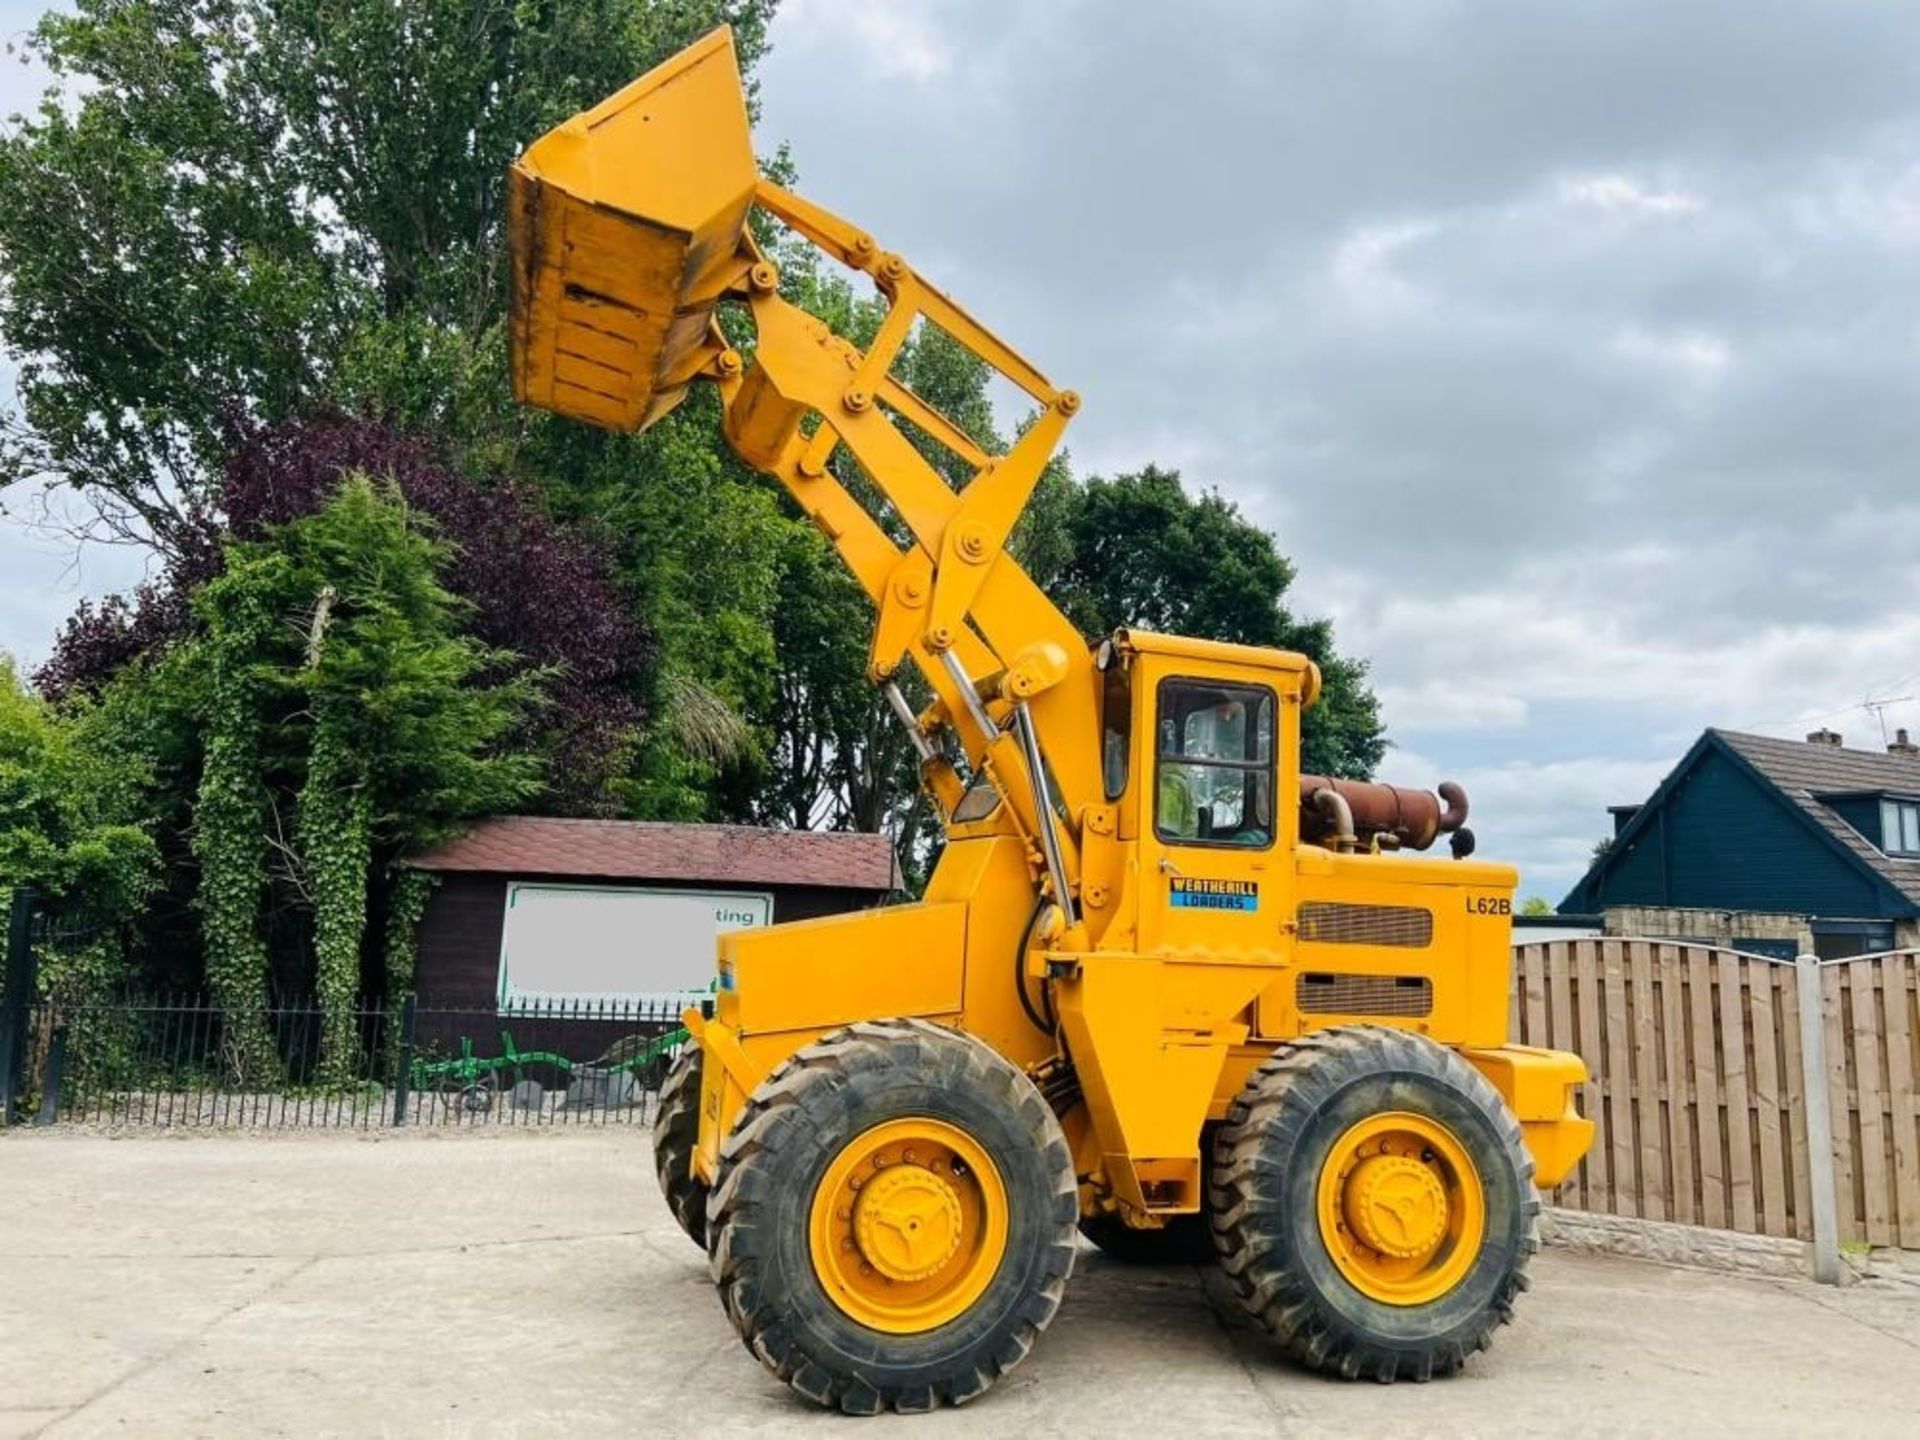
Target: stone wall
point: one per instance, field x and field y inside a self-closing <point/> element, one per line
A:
<point x="1712" y="927"/>
<point x="1724" y="927"/>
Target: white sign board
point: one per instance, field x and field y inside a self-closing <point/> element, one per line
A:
<point x="564" y="944"/>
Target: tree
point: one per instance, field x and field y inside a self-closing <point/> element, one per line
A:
<point x="531" y="587"/>
<point x="234" y="215"/>
<point x="71" y="826"/>
<point x="70" y="807"/>
<point x="1536" y="905"/>
<point x="1139" y="550"/>
<point x="345" y="695"/>
<point x="222" y="202"/>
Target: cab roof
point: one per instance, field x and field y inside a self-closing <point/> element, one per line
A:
<point x="1223" y="652"/>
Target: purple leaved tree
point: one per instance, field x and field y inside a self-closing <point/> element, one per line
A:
<point x="538" y="589"/>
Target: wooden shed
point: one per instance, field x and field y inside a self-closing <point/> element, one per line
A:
<point x="574" y="937"/>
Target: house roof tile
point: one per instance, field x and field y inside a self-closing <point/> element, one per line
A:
<point x="651" y="850"/>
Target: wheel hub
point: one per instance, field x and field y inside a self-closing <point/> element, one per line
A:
<point x="1396" y="1206"/>
<point x="1402" y="1210"/>
<point x="908" y="1223"/>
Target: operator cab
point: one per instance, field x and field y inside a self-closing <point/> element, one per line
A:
<point x="1198" y="759"/>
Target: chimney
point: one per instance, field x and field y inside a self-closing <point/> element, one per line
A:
<point x="1825" y="737"/>
<point x="1901" y="745"/>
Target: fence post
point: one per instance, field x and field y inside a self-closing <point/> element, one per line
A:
<point x="1813" y="1075"/>
<point x="403" y="1078"/>
<point x="17" y="1000"/>
<point x="50" y="1085"/>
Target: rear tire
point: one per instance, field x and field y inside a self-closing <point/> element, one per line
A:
<point x="676" y="1132"/>
<point x="1448" y="1201"/>
<point x="870" y="1132"/>
<point x="1183" y="1240"/>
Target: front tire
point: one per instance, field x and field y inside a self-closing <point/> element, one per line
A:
<point x="1373" y="1204"/>
<point x="676" y="1131"/>
<point x="893" y="1226"/>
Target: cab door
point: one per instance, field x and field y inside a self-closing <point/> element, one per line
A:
<point x="1213" y="884"/>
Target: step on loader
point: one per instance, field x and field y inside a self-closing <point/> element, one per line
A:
<point x="1163" y="990"/>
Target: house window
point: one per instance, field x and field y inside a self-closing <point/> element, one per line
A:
<point x="1900" y="827"/>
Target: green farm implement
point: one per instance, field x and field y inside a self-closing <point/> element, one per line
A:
<point x="470" y="1081"/>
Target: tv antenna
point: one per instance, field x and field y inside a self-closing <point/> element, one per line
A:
<point x="1878" y="708"/>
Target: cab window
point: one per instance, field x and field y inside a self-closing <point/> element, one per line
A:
<point x="980" y="801"/>
<point x="1116" y="725"/>
<point x="1215" y="764"/>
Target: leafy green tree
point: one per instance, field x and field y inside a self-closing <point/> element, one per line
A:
<point x="228" y="212"/>
<point x="73" y="825"/>
<point x="230" y="813"/>
<point x="1139" y="550"/>
<point x="347" y="695"/>
<point x="221" y="201"/>
<point x="71" y="808"/>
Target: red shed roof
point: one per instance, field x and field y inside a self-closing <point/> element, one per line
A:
<point x="651" y="850"/>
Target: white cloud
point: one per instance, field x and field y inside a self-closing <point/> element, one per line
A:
<point x="1691" y="354"/>
<point x="1624" y="194"/>
<point x="1446" y="705"/>
<point x="1364" y="274"/>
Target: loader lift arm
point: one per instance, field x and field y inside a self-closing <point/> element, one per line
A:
<point x="629" y="229"/>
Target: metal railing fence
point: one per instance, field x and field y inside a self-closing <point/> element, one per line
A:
<point x="162" y="1060"/>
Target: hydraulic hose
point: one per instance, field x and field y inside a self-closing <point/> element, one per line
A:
<point x="1044" y="1024"/>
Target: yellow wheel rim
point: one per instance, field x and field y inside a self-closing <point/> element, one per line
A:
<point x="1401" y="1208"/>
<point x="908" y="1225"/>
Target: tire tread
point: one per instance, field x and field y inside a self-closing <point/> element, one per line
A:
<point x="1278" y="1295"/>
<point x="676" y="1133"/>
<point x="807" y="1077"/>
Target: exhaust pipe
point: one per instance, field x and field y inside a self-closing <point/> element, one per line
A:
<point x="1400" y="817"/>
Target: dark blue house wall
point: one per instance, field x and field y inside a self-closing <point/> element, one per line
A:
<point x="1723" y="841"/>
<point x="1637" y="867"/>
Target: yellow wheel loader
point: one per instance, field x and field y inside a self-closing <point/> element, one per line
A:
<point x="1162" y="989"/>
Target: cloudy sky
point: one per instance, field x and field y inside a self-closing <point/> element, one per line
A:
<point x="1569" y="349"/>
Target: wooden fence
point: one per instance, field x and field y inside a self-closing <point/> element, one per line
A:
<point x="1698" y="1091"/>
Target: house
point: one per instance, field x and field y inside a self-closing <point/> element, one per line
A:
<point x="1768" y="845"/>
<point x="534" y="913"/>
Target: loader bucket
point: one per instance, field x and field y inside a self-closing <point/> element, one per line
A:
<point x="623" y="225"/>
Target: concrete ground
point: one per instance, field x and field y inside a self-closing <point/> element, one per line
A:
<point x="515" y="1285"/>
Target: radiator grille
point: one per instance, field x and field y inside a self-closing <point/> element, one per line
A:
<point x="1332" y="923"/>
<point x="1321" y="993"/>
